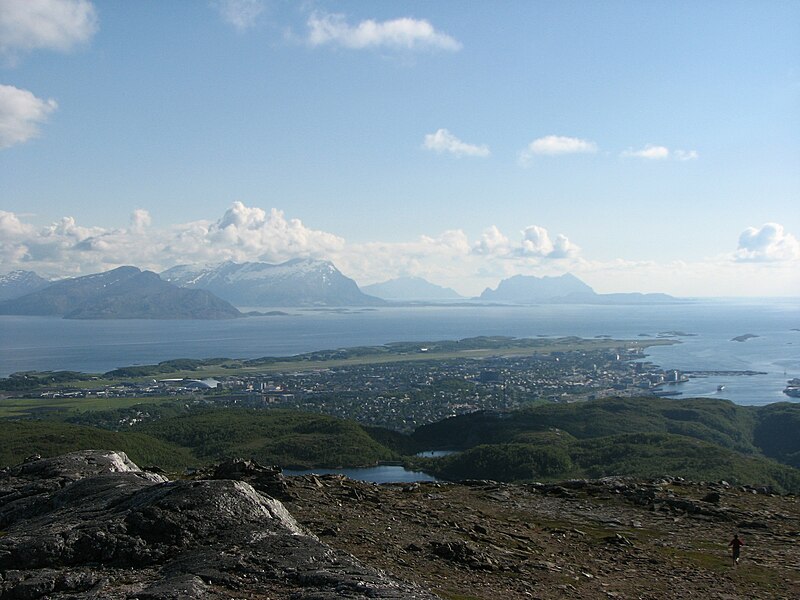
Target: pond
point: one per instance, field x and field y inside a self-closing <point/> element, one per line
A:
<point x="379" y="474"/>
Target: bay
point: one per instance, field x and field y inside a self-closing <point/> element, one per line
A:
<point x="41" y="343"/>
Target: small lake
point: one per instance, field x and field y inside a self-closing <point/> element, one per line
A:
<point x="379" y="474"/>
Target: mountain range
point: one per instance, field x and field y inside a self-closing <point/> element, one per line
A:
<point x="211" y="292"/>
<point x="122" y="293"/>
<point x="298" y="282"/>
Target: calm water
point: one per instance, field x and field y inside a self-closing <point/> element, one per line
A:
<point x="40" y="343"/>
<point x="380" y="474"/>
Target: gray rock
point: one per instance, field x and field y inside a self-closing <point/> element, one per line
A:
<point x="93" y="525"/>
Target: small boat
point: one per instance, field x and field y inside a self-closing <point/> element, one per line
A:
<point x="720" y="388"/>
<point x="792" y="391"/>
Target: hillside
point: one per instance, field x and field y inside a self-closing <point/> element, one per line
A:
<point x="122" y="293"/>
<point x="20" y="439"/>
<point x="298" y="282"/>
<point x="280" y="437"/>
<point x="700" y="439"/>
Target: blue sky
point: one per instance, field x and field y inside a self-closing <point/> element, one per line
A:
<point x="650" y="146"/>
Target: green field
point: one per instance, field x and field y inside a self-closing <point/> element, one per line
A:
<point x="60" y="408"/>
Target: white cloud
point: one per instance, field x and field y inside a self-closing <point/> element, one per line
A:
<point x="492" y="243"/>
<point x="21" y="113"/>
<point x="536" y="242"/>
<point x="444" y="141"/>
<point x="553" y="145"/>
<point x="768" y="243"/>
<point x="767" y="258"/>
<point x="654" y="152"/>
<point x="140" y="220"/>
<point x="405" y="33"/>
<point x="242" y="234"/>
<point x="27" y="25"/>
<point x="242" y="14"/>
<point x="649" y="152"/>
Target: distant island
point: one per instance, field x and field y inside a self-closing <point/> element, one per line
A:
<point x="564" y="289"/>
<point x="744" y="338"/>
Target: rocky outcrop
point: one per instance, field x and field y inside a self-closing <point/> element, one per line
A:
<point x="93" y="525"/>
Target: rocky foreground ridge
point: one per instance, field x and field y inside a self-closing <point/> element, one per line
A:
<point x="93" y="525"/>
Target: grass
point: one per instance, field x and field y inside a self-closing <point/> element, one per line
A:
<point x="15" y="408"/>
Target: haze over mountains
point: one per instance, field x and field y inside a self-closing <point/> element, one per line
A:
<point x="19" y="283"/>
<point x="122" y="293"/>
<point x="212" y="292"/>
<point x="410" y="289"/>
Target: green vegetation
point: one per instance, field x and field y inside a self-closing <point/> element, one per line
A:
<point x="641" y="455"/>
<point x="165" y="367"/>
<point x="30" y="380"/>
<point x="20" y="439"/>
<point x="716" y="421"/>
<point x="697" y="439"/>
<point x="287" y="438"/>
<point x="777" y="432"/>
<point x="503" y="462"/>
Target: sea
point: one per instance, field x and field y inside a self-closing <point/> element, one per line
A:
<point x="705" y="330"/>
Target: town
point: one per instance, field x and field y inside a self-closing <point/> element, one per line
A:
<point x="405" y="394"/>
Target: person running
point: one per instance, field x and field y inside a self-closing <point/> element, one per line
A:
<point x="735" y="545"/>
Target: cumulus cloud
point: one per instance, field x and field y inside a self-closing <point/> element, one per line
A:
<point x="553" y="145"/>
<point x="140" y="220"/>
<point x="654" y="152"/>
<point x="535" y="243"/>
<point x="242" y="14"/>
<point x="405" y="33"/>
<point x="768" y="243"/>
<point x="492" y="243"/>
<point x="27" y="25"/>
<point x="21" y="113"/>
<point x="444" y="141"/>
